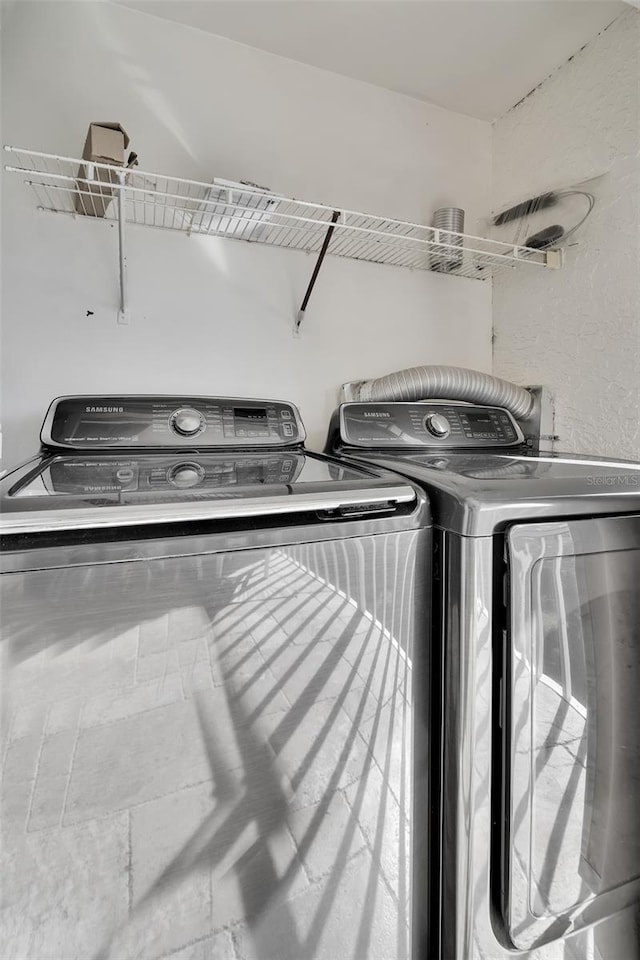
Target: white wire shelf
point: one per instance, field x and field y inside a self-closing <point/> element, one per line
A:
<point x="245" y="212"/>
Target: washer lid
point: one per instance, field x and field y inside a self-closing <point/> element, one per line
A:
<point x="108" y="490"/>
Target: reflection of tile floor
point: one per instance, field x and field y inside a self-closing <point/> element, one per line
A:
<point x="217" y="771"/>
<point x="550" y="809"/>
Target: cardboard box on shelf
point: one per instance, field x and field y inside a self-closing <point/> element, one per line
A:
<point x="105" y="143"/>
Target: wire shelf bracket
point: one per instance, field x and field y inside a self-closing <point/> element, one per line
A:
<point x="238" y="211"/>
<point x="316" y="270"/>
<point x="123" y="312"/>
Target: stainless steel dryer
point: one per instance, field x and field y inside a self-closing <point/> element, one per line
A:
<point x="536" y="600"/>
<point x="209" y="638"/>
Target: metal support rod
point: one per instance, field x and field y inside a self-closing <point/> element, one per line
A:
<point x="316" y="269"/>
<point x="123" y="315"/>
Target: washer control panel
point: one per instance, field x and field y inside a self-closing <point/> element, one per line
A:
<point x="170" y="422"/>
<point x="427" y="424"/>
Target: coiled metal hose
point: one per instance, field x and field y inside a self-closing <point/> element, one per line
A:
<point x="447" y="383"/>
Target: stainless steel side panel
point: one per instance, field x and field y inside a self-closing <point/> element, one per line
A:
<point x="464" y="928"/>
<point x="471" y="924"/>
<point x="209" y="754"/>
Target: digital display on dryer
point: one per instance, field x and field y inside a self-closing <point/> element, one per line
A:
<point x="481" y="424"/>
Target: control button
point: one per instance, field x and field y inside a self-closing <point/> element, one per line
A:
<point x="187" y="422"/>
<point x="437" y="425"/>
<point x="287" y="429"/>
<point x="285" y="414"/>
<point x="184" y="475"/>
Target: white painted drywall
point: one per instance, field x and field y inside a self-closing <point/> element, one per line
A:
<point x="578" y="330"/>
<point x="207" y="315"/>
<point x="477" y="58"/>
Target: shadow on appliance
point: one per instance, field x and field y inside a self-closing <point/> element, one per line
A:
<point x="209" y="643"/>
<point x="536" y="672"/>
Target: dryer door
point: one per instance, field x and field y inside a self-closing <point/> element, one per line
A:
<point x="573" y="731"/>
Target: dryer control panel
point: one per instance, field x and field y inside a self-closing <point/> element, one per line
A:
<point x="169" y="422"/>
<point x="434" y="424"/>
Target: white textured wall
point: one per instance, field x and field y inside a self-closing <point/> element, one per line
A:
<point x="578" y="330"/>
<point x="207" y="315"/>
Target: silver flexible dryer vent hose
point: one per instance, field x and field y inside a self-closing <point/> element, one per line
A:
<point x="447" y="383"/>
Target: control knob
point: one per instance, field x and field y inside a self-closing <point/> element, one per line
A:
<point x="437" y="425"/>
<point x="185" y="475"/>
<point x="124" y="475"/>
<point x="187" y="422"/>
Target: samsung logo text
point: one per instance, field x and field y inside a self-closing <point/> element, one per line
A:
<point x="104" y="409"/>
